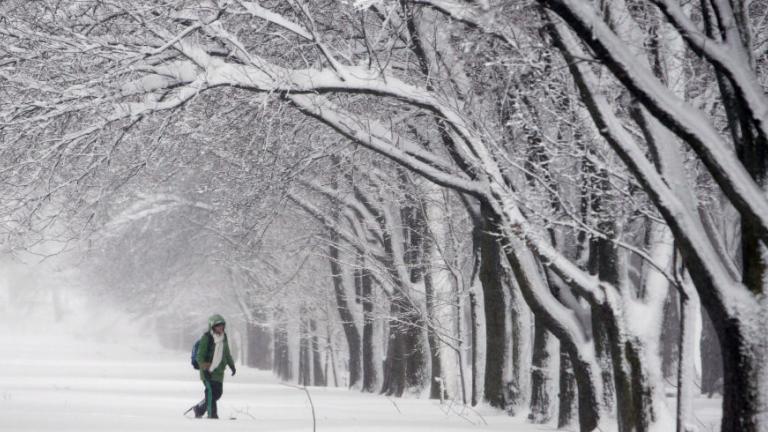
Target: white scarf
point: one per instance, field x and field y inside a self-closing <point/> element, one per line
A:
<point x="218" y="351"/>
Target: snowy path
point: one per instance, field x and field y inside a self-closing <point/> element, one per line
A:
<point x="55" y="384"/>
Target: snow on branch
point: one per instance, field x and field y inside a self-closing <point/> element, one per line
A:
<point x="358" y="208"/>
<point x="150" y="205"/>
<point x="685" y="225"/>
<point x="375" y="136"/>
<point x="680" y="117"/>
<point x="256" y="10"/>
<point x="729" y="56"/>
<point x="326" y="221"/>
<point x="484" y="20"/>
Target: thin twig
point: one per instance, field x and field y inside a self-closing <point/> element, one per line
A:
<point x="311" y="404"/>
<point x="395" y="404"/>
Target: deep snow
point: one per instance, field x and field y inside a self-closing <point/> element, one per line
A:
<point x="57" y="382"/>
<point x="63" y="377"/>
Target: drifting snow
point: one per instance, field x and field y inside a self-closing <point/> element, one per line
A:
<point x="63" y="376"/>
<point x="57" y="381"/>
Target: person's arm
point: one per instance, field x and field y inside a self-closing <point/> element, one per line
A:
<point x="228" y="357"/>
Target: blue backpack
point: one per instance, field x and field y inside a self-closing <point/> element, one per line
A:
<point x="195" y="348"/>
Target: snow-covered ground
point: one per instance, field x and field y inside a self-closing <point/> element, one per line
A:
<point x="57" y="382"/>
<point x="63" y="376"/>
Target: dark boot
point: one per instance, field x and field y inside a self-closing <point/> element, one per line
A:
<point x="199" y="409"/>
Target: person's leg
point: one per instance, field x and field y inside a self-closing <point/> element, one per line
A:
<point x="207" y="404"/>
<point x="217" y="388"/>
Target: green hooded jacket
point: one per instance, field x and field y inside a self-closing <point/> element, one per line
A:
<point x="205" y="352"/>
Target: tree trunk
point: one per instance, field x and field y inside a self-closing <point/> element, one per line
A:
<point x="259" y="346"/>
<point x="743" y="341"/>
<point x="305" y="356"/>
<point x="331" y="354"/>
<point x="670" y="337"/>
<point x="534" y="290"/>
<point x="370" y="379"/>
<point x="318" y="377"/>
<point x="351" y="332"/>
<point x="416" y="360"/>
<point x="394" y="363"/>
<point x="745" y="382"/>
<point x="635" y="404"/>
<point x="475" y="327"/>
<point x="420" y="241"/>
<point x="496" y="305"/>
<point x="634" y="393"/>
<point x="743" y="338"/>
<point x="711" y="358"/>
<point x="540" y="376"/>
<point x="686" y="376"/>
<point x="603" y="352"/>
<point x="604" y="262"/>
<point x="567" y="394"/>
<point x="459" y="322"/>
<point x="623" y="366"/>
<point x="522" y="346"/>
<point x="405" y="362"/>
<point x="282" y="361"/>
<point x="735" y="311"/>
<point x="437" y="387"/>
<point x="588" y="402"/>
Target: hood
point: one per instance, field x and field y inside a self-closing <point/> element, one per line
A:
<point x="215" y="319"/>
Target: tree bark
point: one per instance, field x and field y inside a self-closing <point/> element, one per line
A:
<point x="420" y="245"/>
<point x="370" y="378"/>
<point x="567" y="393"/>
<point x="540" y="375"/>
<point x="745" y="394"/>
<point x="604" y="262"/>
<point x="459" y="332"/>
<point x="437" y="386"/>
<point x="282" y="361"/>
<point x="496" y="305"/>
<point x="587" y="374"/>
<point x="318" y="376"/>
<point x="405" y="362"/>
<point x="670" y="338"/>
<point x="331" y="361"/>
<point x="259" y="347"/>
<point x="348" y="324"/>
<point x="711" y="358"/>
<point x="475" y="327"/>
<point x="522" y="346"/>
<point x="686" y="376"/>
<point x="305" y="354"/>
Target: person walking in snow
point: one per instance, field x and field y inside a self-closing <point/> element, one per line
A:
<point x="213" y="356"/>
